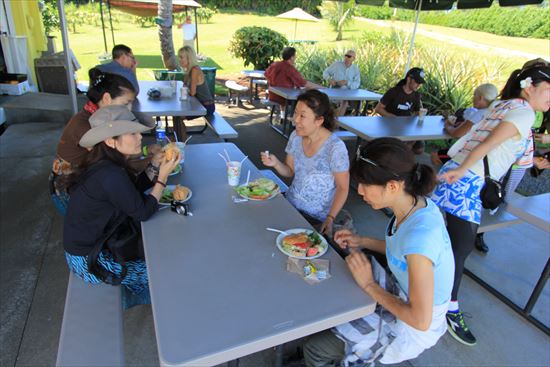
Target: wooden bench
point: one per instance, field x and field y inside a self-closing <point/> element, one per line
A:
<point x="92" y="331"/>
<point x="234" y="88"/>
<point x="222" y="128"/>
<point x="267" y="173"/>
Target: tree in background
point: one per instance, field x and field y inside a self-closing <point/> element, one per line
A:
<point x="164" y="22"/>
<point x="339" y="14"/>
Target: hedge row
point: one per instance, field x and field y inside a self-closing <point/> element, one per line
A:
<point x="528" y="21"/>
<point x="271" y="7"/>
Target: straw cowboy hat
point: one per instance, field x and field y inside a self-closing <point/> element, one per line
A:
<point x="111" y="121"/>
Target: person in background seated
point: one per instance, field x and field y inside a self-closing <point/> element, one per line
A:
<point x="414" y="293"/>
<point x="124" y="63"/>
<point x="284" y="74"/>
<point x="484" y="96"/>
<point x="318" y="161"/>
<point x="343" y="74"/>
<point x="104" y="188"/>
<point x="503" y="137"/>
<point x="195" y="80"/>
<point x="404" y="100"/>
<point x="105" y="89"/>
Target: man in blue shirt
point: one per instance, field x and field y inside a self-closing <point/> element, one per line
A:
<point x="124" y="64"/>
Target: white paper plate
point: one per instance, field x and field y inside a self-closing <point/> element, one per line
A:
<point x="279" y="242"/>
<point x="275" y="193"/>
<point x="172" y="187"/>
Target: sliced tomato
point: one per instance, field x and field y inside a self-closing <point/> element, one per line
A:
<point x="312" y="251"/>
<point x="302" y="245"/>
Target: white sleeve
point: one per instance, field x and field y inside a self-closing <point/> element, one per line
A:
<point x="355" y="78"/>
<point x="329" y="72"/>
<point x="522" y="118"/>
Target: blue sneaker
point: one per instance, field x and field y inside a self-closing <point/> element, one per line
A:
<point x="458" y="329"/>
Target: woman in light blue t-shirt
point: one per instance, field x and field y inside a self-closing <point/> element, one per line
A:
<point x="317" y="160"/>
<point x="417" y="288"/>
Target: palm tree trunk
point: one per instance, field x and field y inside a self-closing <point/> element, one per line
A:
<point x="165" y="34"/>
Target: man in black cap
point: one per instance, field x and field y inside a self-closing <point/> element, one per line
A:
<point x="404" y="99"/>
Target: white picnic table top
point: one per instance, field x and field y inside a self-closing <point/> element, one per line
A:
<point x="219" y="285"/>
<point x="406" y="128"/>
<point x="334" y="94"/>
<point x="254" y="74"/>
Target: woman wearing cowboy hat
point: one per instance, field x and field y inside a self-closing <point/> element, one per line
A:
<point x="107" y="188"/>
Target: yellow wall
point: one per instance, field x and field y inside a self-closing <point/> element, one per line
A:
<point x="28" y="22"/>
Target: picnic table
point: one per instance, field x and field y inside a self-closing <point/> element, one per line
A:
<point x="254" y="76"/>
<point x="219" y="285"/>
<point x="406" y="128"/>
<point x="534" y="210"/>
<point x="146" y="108"/>
<point x="334" y="94"/>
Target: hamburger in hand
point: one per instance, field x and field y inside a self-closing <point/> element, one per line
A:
<point x="171" y="151"/>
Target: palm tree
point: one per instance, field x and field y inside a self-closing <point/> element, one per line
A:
<point x="165" y="34"/>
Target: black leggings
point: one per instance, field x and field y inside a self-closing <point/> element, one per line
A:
<point x="463" y="236"/>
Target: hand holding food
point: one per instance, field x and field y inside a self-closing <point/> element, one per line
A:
<point x="347" y="239"/>
<point x="269" y="160"/>
<point x="170" y="151"/>
<point x="167" y="166"/>
<point x="541" y="163"/>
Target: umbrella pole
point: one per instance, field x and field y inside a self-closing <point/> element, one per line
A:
<point x="295" y="26"/>
<point x="413" y="36"/>
<point x="103" y="24"/>
<point x="67" y="55"/>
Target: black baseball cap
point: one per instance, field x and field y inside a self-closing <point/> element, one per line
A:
<point x="417" y="74"/>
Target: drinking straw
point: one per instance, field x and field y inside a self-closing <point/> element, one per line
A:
<point x="175" y="136"/>
<point x="227" y="155"/>
<point x="247" y="178"/>
<point x="225" y="160"/>
<point x="186" y="140"/>
<point x="245" y="157"/>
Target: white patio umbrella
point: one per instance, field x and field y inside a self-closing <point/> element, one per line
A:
<point x="298" y="14"/>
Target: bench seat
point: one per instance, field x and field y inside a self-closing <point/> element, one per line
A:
<point x="222" y="128"/>
<point x="92" y="329"/>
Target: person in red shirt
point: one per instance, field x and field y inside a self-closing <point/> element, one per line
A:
<point x="284" y="74"/>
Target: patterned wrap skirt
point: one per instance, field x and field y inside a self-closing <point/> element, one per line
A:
<point x="462" y="198"/>
<point x="135" y="290"/>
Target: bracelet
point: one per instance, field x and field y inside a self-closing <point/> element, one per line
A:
<point x="330" y="216"/>
<point x="161" y="183"/>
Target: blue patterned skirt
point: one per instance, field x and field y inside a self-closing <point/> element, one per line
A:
<point x="135" y="290"/>
<point x="461" y="198"/>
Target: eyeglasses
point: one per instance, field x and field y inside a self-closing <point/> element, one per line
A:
<point x="349" y="56"/>
<point x="371" y="162"/>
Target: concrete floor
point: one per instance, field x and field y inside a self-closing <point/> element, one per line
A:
<point x="33" y="272"/>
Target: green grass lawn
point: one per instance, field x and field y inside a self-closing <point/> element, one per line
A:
<point x="214" y="39"/>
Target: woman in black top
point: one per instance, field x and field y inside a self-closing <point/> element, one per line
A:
<point x="107" y="188"/>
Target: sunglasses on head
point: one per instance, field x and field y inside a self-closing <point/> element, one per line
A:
<point x="349" y="56"/>
<point x="373" y="163"/>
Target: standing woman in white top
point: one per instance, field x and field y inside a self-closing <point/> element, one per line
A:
<point x="503" y="136"/>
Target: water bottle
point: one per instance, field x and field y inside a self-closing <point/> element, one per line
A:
<point x="161" y="134"/>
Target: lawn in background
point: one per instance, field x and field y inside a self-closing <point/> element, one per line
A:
<point x="214" y="39"/>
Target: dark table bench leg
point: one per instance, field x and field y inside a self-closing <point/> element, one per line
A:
<point x="538" y="289"/>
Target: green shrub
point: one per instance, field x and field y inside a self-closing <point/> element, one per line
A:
<point x="50" y="18"/>
<point x="258" y="46"/>
<point x="450" y="79"/>
<point x="526" y="21"/>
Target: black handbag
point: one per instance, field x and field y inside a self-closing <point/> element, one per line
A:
<point x="122" y="239"/>
<point x="493" y="191"/>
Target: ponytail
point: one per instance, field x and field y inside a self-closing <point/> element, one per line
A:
<point x="385" y="159"/>
<point x="422" y="180"/>
<point x="512" y="88"/>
